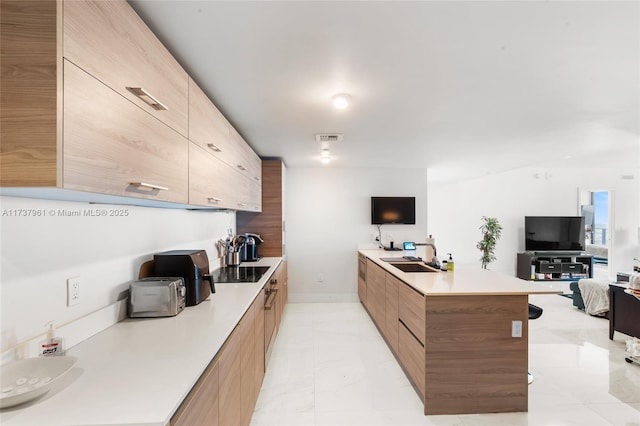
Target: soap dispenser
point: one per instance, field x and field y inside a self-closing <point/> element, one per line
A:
<point x="450" y="263"/>
<point x="52" y="345"/>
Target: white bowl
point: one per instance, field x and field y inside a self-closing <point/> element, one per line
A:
<point x="30" y="378"/>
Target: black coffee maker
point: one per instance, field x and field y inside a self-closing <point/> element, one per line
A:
<point x="249" y="251"/>
<point x="192" y="266"/>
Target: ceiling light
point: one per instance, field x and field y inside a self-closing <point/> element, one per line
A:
<point x="341" y="101"/>
<point x="325" y="156"/>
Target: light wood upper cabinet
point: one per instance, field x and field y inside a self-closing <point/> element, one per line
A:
<point x="119" y="125"/>
<point x="113" y="147"/>
<point x="207" y="126"/>
<point x="108" y="39"/>
<point x="212" y="183"/>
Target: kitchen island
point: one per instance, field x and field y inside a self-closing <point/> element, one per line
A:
<point x="139" y="371"/>
<point x="460" y="336"/>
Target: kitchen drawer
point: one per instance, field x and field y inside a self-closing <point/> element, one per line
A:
<point x="549" y="267"/>
<point x="412" y="356"/>
<point x="376" y="294"/>
<point x="111" y="146"/>
<point x="411" y="310"/>
<point x="110" y="41"/>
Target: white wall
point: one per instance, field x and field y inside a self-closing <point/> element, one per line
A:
<point x="455" y="210"/>
<point x="329" y="216"/>
<point x="39" y="253"/>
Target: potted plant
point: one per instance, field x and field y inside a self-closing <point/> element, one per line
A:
<point x="491" y="231"/>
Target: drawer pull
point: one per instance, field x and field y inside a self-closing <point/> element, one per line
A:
<point x="214" y="147"/>
<point x="146" y="97"/>
<point x="241" y="205"/>
<point x="257" y="178"/>
<point x="241" y="167"/>
<point x="214" y="199"/>
<point x="150" y="186"/>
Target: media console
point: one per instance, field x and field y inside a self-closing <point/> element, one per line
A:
<point x="554" y="266"/>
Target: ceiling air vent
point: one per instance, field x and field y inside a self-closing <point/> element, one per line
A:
<point x="329" y="137"/>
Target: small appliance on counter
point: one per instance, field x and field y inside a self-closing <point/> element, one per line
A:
<point x="156" y="297"/>
<point x="192" y="266"/>
<point x="249" y="250"/>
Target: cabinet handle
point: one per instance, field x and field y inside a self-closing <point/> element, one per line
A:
<point x="150" y="186"/>
<point x="256" y="178"/>
<point x="269" y="303"/>
<point x="241" y="205"/>
<point x="214" y="147"/>
<point x="214" y="199"/>
<point x="146" y="97"/>
<point x="241" y="167"/>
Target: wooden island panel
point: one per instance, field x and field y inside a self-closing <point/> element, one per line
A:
<point x="473" y="364"/>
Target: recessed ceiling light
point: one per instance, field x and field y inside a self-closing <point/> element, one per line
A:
<point x="341" y="101"/>
<point x="325" y="156"/>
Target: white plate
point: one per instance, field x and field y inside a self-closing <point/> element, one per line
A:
<point x="30" y="378"/>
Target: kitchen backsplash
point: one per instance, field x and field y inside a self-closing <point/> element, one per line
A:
<point x="43" y="243"/>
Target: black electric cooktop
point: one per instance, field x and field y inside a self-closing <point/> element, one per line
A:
<point x="238" y="274"/>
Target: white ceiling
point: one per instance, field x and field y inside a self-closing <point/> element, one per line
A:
<point x="447" y="85"/>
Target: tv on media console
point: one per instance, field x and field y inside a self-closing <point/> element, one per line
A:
<point x="554" y="233"/>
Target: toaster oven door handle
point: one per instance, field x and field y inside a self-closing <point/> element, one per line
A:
<point x="209" y="277"/>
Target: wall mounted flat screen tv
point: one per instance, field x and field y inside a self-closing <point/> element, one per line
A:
<point x="398" y="210"/>
<point x="554" y="233"/>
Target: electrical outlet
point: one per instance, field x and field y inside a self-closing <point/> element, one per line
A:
<point x="320" y="277"/>
<point x="73" y="291"/>
<point x="516" y="328"/>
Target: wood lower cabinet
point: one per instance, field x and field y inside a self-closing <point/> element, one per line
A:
<point x="258" y="335"/>
<point x="230" y="398"/>
<point x="247" y="366"/>
<point x="412" y="357"/>
<point x="376" y="294"/>
<point x="411" y="310"/>
<point x="392" y="285"/>
<point x="127" y="153"/>
<point x="201" y="406"/>
<point x="362" y="279"/>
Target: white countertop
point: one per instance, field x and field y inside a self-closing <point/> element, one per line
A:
<point x="464" y="280"/>
<point x="139" y="371"/>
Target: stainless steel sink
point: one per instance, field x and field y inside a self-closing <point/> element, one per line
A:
<point x="412" y="267"/>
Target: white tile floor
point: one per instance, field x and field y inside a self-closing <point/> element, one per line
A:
<point x="330" y="366"/>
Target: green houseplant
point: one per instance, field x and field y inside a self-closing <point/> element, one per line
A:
<point x="491" y="232"/>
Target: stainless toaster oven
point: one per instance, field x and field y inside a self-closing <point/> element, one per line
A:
<point x="157" y="297"/>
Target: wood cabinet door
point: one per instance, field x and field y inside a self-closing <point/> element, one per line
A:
<point x="108" y="40"/>
<point x="201" y="405"/>
<point x="211" y="182"/>
<point x="208" y="127"/>
<point x="391" y="310"/>
<point x="247" y="366"/>
<point x="229" y="365"/>
<point x="113" y="147"/>
<point x="376" y="293"/>
<point x="411" y="310"/>
<point x="258" y="318"/>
